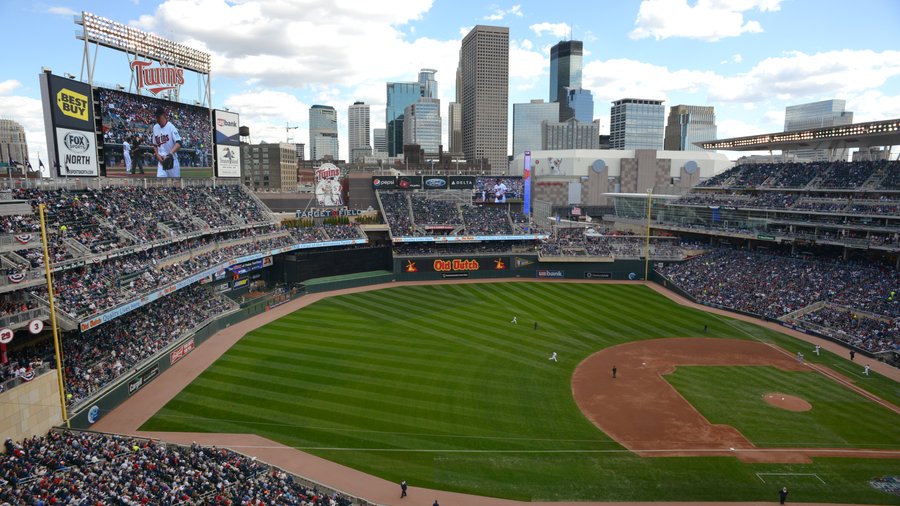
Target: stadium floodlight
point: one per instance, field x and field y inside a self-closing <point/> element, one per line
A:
<point x="47" y="70"/>
<point x="115" y="35"/>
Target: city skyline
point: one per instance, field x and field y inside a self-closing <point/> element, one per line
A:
<point x="748" y="61"/>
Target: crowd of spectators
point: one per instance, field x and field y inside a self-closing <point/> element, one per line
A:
<point x="125" y="115"/>
<point x="822" y="175"/>
<point x="773" y="285"/>
<point x="91" y="288"/>
<point x="590" y="242"/>
<point x="95" y="358"/>
<point x="94" y="468"/>
<point x="433" y="249"/>
<point x="486" y="220"/>
<point x="342" y="232"/>
<point x="857" y="329"/>
<point x="429" y="213"/>
<point x="397" y="213"/>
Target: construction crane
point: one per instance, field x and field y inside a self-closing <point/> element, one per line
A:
<point x="287" y="132"/>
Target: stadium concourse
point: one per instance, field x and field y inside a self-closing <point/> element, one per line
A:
<point x="131" y="263"/>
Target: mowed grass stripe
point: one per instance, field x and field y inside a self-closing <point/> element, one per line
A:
<point x="439" y="367"/>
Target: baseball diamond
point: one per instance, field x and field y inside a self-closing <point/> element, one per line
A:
<point x="431" y="392"/>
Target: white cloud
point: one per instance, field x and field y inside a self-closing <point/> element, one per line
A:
<point x="558" y="30"/>
<point x="873" y="105"/>
<point x="708" y="20"/>
<point x="29" y="113"/>
<point x="61" y="11"/>
<point x="325" y="53"/>
<point x="515" y="10"/>
<point x="9" y="85"/>
<point x="737" y="58"/>
<point x="621" y="78"/>
<point x="798" y="75"/>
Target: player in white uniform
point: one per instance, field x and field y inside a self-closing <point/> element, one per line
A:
<point x="499" y="192"/>
<point x="515" y="320"/>
<point x="866" y="370"/>
<point x="126" y="153"/>
<point x="553" y="357"/>
<point x="166" y="141"/>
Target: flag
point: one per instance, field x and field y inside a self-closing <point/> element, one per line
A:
<point x="28" y="164"/>
<point x="40" y="162"/>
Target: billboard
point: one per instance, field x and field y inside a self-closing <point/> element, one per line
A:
<point x="462" y="182"/>
<point x="330" y="190"/>
<point x="454" y="265"/>
<point x="126" y="117"/>
<point x="69" y="123"/>
<point x="435" y="182"/>
<point x="499" y="190"/>
<point x="526" y="183"/>
<point x="384" y="182"/>
<point x="228" y="143"/>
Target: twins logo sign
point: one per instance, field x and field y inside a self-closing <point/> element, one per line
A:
<point x="328" y="185"/>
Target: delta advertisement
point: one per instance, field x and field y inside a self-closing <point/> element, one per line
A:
<point x="69" y="122"/>
<point x="451" y="265"/>
<point x="228" y="143"/>
<point x="426" y="182"/>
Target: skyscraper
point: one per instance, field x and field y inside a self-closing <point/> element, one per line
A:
<point x="379" y="140"/>
<point x="636" y="123"/>
<point x="454" y="126"/>
<point x="428" y="83"/>
<point x="565" y="67"/>
<point x="422" y="124"/>
<point x="817" y="115"/>
<point x="484" y="64"/>
<point x="527" y="120"/>
<point x="576" y="103"/>
<point x="358" y="129"/>
<point x="12" y="143"/>
<point x="399" y="95"/>
<point x="571" y="134"/>
<point x="323" y="134"/>
<point x="689" y="124"/>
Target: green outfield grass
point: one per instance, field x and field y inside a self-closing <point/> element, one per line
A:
<point x="434" y="385"/>
<point x="838" y="418"/>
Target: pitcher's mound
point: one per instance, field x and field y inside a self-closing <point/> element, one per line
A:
<point x="788" y="402"/>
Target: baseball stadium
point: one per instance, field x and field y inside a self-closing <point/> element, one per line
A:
<point x="691" y="331"/>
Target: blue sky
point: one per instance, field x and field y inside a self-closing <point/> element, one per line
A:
<point x="273" y="59"/>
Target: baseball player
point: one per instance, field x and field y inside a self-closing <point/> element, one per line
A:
<point x="126" y="154"/>
<point x="817" y="350"/>
<point x="515" y="320"/>
<point x="166" y="142"/>
<point x="553" y="357"/>
<point x="866" y="370"/>
<point x="499" y="192"/>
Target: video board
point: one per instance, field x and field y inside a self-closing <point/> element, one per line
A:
<point x="127" y="117"/>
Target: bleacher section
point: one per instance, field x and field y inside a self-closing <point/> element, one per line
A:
<point x="127" y="260"/>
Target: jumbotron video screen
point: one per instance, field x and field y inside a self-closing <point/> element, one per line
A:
<point x="128" y="121"/>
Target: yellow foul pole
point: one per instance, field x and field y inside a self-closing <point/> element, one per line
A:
<point x="57" y="345"/>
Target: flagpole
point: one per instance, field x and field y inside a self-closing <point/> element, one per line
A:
<point x="57" y="345"/>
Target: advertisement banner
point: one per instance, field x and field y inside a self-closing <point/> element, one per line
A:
<point x="547" y="273"/>
<point x="69" y="126"/>
<point x="598" y="275"/>
<point x="462" y="182"/>
<point x="526" y="181"/>
<point x="329" y="191"/>
<point x="409" y="182"/>
<point x="179" y="352"/>
<point x="71" y="104"/>
<point x="228" y="161"/>
<point x="228" y="142"/>
<point x="139" y="381"/>
<point x="456" y="264"/>
<point x="384" y="182"/>
<point x="435" y="182"/>
<point x="77" y="153"/>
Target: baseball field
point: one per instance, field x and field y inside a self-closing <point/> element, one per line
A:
<point x="435" y="385"/>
